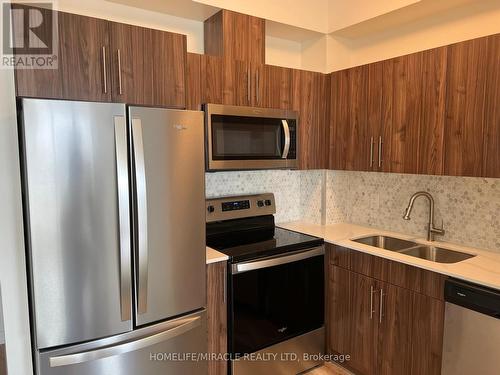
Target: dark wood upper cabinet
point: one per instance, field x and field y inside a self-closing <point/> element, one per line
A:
<point x="193" y="81"/>
<point x="491" y="166"/>
<point x="235" y="36"/>
<point x="148" y="65"/>
<point x="236" y="82"/>
<point x="406" y="113"/>
<point x="100" y="60"/>
<point x="276" y="87"/>
<point x="309" y="92"/>
<point x="211" y="79"/>
<point x="465" y="103"/>
<point x="432" y="125"/>
<point x="83" y="71"/>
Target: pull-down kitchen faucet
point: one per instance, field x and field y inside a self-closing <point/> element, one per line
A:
<point x="431" y="229"/>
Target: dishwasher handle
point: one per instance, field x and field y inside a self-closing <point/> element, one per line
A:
<point x="473" y="297"/>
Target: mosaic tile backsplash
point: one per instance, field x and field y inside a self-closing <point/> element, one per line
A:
<point x="469" y="207"/>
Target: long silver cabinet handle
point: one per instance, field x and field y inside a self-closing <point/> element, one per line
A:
<point x="248" y="87"/>
<point x="123" y="217"/>
<point x="275" y="261"/>
<point x="372" y="291"/>
<point x="371" y="152"/>
<point x="119" y="56"/>
<point x="142" y="215"/>
<point x="104" y="70"/>
<point x="286" y="130"/>
<point x="224" y="297"/>
<point x="380" y="143"/>
<point x="381" y="311"/>
<point x="257" y="86"/>
<point x="127" y="346"/>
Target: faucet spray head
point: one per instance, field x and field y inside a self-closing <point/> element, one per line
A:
<point x="406" y="216"/>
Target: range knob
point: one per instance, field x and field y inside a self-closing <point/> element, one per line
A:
<point x="210" y="209"/>
<point x="260" y="203"/>
<point x="268" y="202"/>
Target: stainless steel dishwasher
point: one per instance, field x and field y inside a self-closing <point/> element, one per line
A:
<point x="471" y="330"/>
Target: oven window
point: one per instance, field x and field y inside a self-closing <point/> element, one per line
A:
<point x="246" y="138"/>
<point x="273" y="304"/>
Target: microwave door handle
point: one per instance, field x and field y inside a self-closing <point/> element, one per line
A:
<point x="286" y="130"/>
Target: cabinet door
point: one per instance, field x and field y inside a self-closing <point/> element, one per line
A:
<point x="275" y="87"/>
<point x="492" y="110"/>
<point x="217" y="315"/>
<point x="351" y="140"/>
<point x="309" y="89"/>
<point x="352" y="322"/>
<point x="148" y="66"/>
<point x="236" y="83"/>
<point x="193" y="81"/>
<point x="431" y="138"/>
<point x="406" y="113"/>
<point x="394" y="315"/>
<point x="83" y="71"/>
<point x="465" y="101"/>
<point x="426" y="335"/>
<point x="211" y="79"/>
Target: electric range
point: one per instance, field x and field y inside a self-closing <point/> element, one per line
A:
<point x="275" y="286"/>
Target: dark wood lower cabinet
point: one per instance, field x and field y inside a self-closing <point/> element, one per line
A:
<point x="3" y="361"/>
<point x="387" y="325"/>
<point x="217" y="315"/>
<point x="352" y="319"/>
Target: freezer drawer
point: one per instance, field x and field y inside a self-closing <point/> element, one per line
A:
<point x="145" y="351"/>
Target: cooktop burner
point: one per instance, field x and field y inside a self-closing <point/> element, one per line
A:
<point x="243" y="228"/>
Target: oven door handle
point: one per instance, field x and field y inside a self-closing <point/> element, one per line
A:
<point x="286" y="147"/>
<point x="275" y="261"/>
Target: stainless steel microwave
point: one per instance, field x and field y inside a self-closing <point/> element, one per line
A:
<point x="240" y="138"/>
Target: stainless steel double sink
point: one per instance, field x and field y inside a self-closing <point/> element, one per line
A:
<point x="414" y="249"/>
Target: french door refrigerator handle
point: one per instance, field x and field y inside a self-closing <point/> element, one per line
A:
<point x="186" y="325"/>
<point x="142" y="216"/>
<point x="123" y="217"/>
<point x="277" y="260"/>
<point x="286" y="148"/>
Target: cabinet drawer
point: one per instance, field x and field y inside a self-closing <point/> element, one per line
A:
<point x="413" y="278"/>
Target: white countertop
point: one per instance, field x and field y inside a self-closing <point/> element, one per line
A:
<point x="214" y="256"/>
<point x="482" y="269"/>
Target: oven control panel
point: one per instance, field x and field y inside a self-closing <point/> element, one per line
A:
<point x="228" y="208"/>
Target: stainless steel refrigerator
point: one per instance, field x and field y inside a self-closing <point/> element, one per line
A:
<point x="114" y="214"/>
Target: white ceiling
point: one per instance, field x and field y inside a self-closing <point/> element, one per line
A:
<point x="301" y="20"/>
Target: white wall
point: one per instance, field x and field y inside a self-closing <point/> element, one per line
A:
<point x="140" y="17"/>
<point x="463" y="23"/>
<point x="283" y="52"/>
<point x="12" y="266"/>
<point x="307" y="14"/>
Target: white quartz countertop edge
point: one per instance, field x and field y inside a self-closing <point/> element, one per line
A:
<point x="483" y="269"/>
<point x="214" y="256"/>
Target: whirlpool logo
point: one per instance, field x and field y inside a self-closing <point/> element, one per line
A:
<point x="29" y="35"/>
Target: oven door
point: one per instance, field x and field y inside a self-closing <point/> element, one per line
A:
<point x="275" y="299"/>
<point x="250" y="138"/>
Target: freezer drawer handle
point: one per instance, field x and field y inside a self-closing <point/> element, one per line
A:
<point x="126" y="347"/>
<point x="123" y="214"/>
<point x="142" y="216"/>
<point x="275" y="261"/>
